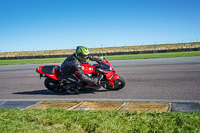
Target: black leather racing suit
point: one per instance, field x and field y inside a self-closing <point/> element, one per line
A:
<point x="72" y="64"/>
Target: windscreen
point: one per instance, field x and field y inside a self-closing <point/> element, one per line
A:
<point x="105" y="66"/>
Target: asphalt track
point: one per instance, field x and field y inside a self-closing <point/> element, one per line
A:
<point x="147" y="80"/>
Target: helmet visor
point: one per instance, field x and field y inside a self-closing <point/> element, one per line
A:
<point x="84" y="56"/>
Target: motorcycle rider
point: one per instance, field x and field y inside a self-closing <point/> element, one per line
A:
<point x="73" y="63"/>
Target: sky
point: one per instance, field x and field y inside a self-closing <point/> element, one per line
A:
<point x="32" y="25"/>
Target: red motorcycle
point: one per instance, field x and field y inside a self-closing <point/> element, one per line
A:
<point x="104" y="70"/>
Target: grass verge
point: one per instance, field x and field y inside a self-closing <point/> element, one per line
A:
<point x="114" y="57"/>
<point x="153" y="55"/>
<point x="31" y="61"/>
<point x="104" y="50"/>
<point x="60" y="120"/>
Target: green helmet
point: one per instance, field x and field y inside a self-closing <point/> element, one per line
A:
<point x="82" y="53"/>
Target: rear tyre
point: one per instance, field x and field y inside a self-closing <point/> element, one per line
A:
<point x="53" y="85"/>
<point x="118" y="84"/>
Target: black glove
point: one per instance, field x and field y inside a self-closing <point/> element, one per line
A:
<point x="92" y="58"/>
<point x="98" y="60"/>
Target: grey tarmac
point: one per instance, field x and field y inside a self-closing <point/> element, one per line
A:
<point x="173" y="80"/>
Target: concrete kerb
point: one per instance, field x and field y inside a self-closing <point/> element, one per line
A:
<point x="103" y="105"/>
<point x="95" y="105"/>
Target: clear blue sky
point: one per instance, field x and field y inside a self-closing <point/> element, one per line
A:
<point x="27" y="25"/>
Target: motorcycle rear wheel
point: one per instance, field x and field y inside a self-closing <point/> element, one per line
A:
<point x="53" y="85"/>
<point x="118" y="84"/>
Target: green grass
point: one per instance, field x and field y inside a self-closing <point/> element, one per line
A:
<point x="153" y="55"/>
<point x="31" y="61"/>
<point x="60" y="120"/>
<point x="114" y="57"/>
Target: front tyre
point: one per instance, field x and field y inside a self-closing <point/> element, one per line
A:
<point x="53" y="85"/>
<point x="118" y="84"/>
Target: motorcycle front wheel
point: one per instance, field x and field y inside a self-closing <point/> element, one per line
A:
<point x="118" y="84"/>
<point x="53" y="85"/>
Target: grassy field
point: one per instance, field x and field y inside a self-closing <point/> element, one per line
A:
<point x="103" y="50"/>
<point x="57" y="120"/>
<point x="114" y="57"/>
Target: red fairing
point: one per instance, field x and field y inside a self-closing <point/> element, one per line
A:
<point x="115" y="77"/>
<point x="39" y="69"/>
<point x="109" y="75"/>
<point x="87" y="69"/>
<point x="53" y="76"/>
